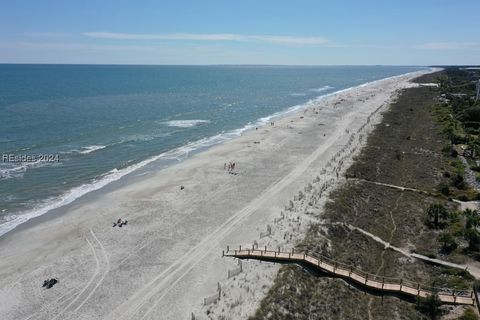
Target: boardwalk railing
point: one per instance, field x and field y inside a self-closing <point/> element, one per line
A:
<point x="371" y="281"/>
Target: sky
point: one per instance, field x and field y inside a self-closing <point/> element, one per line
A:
<point x="285" y="32"/>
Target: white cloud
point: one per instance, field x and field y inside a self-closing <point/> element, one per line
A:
<point x="447" y="45"/>
<point x="289" y="40"/>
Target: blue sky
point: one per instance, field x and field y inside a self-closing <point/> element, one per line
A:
<point x="406" y="32"/>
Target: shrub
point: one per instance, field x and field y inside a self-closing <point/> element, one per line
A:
<point x="457" y="229"/>
<point x="444" y="189"/>
<point x="454" y="153"/>
<point x="468" y="314"/>
<point x="473" y="238"/>
<point x="447" y="241"/>
<point x="472" y="114"/>
<point x="458" y="182"/>
<point x="429" y="306"/>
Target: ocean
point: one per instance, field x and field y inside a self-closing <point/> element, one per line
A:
<point x="67" y="130"/>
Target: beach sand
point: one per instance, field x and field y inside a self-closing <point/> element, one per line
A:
<point x="168" y="258"/>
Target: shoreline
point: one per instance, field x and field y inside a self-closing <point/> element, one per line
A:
<point x="116" y="177"/>
<point x="167" y="258"/>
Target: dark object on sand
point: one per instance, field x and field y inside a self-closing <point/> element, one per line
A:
<point x="182" y="187"/>
<point x="123" y="223"/>
<point x="120" y="223"/>
<point x="49" y="283"/>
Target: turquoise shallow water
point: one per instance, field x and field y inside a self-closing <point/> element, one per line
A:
<point x="98" y="123"/>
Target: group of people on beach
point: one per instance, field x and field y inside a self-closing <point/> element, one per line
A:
<point x="49" y="283"/>
<point x="230" y="167"/>
<point x="120" y="223"/>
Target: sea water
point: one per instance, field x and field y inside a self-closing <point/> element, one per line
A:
<point x="67" y="130"/>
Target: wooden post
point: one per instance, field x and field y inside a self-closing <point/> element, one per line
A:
<point x="383" y="282"/>
<point x="223" y="253"/>
<point x="401" y="281"/>
<point x="240" y="248"/>
<point x="275" y="254"/>
<point x="293" y="250"/>
<point x="351" y="270"/>
<point x="289" y="255"/>
<point x="366" y="279"/>
<point x="418" y="288"/>
<point x="253" y="246"/>
<point x="334" y="266"/>
<point x="265" y="248"/>
<point x="235" y="251"/>
<point x="228" y="248"/>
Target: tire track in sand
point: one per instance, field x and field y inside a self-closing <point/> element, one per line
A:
<point x="102" y="267"/>
<point x="145" y="296"/>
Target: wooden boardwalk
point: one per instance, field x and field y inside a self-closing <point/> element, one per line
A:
<point x="369" y="281"/>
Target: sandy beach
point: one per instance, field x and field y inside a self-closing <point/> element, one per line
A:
<point x="168" y="258"/>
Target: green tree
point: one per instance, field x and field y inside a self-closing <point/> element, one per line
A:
<point x="436" y="214"/>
